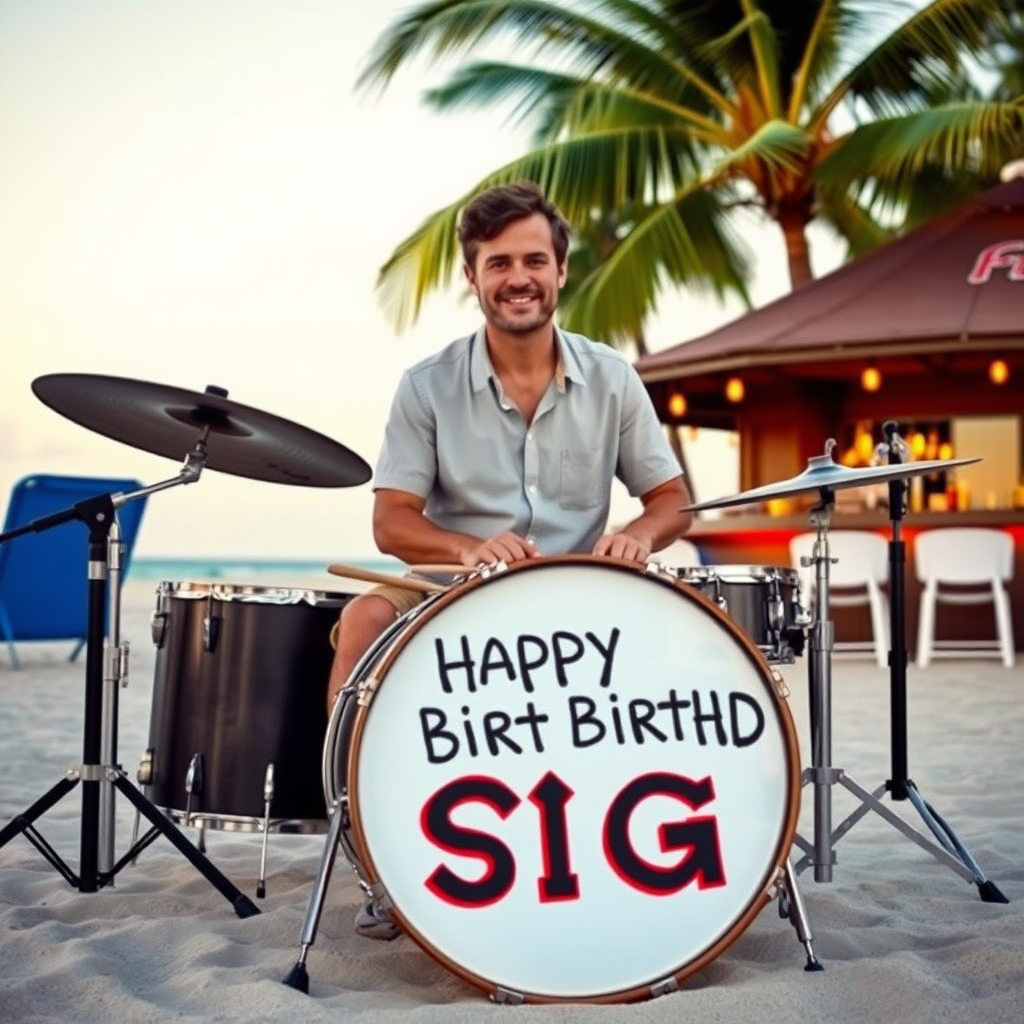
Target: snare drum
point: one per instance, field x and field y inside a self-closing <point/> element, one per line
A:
<point x="763" y="599"/>
<point x="572" y="779"/>
<point x="238" y="717"/>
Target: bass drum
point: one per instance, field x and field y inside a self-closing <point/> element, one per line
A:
<point x="238" y="713"/>
<point x="574" y="779"/>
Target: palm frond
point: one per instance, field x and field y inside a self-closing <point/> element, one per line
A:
<point x="765" y="48"/>
<point x="912" y="63"/>
<point x="853" y="224"/>
<point x="682" y="242"/>
<point x="817" y="59"/>
<point x="776" y="145"/>
<point x="614" y="48"/>
<point x="955" y="136"/>
<point x="562" y="102"/>
<point x="421" y="263"/>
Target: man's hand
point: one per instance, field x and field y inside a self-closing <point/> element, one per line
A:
<point x="622" y="545"/>
<point x="506" y="547"/>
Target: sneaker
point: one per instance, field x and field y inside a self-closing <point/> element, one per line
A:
<point x="373" y="923"/>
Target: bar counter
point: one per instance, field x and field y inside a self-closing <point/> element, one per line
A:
<point x="761" y="539"/>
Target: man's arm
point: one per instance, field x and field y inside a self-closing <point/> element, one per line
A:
<point x="660" y="523"/>
<point x="401" y="529"/>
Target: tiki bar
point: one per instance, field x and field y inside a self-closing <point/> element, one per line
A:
<point x="926" y="332"/>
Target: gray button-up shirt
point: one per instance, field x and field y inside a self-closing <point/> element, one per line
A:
<point x="453" y="439"/>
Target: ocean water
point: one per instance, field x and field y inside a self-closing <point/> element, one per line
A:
<point x="248" y="570"/>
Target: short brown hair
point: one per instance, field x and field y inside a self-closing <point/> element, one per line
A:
<point x="490" y="212"/>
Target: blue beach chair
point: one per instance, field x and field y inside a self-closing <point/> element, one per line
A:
<point x="44" y="587"/>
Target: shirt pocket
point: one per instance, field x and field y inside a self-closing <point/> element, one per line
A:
<point x="582" y="479"/>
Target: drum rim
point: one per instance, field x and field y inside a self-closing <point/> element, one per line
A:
<point x="774" y="870"/>
<point x="750" y="569"/>
<point x="245" y="822"/>
<point x="201" y="590"/>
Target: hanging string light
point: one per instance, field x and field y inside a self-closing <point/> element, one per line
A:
<point x="998" y="371"/>
<point x="734" y="389"/>
<point x="870" y="378"/>
<point x="677" y="405"/>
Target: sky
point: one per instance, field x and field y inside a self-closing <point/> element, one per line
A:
<point x="194" y="193"/>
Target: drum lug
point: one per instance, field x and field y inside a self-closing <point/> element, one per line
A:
<point x="776" y="615"/>
<point x="716" y="592"/>
<point x="144" y="774"/>
<point x="367" y="690"/>
<point x="158" y="627"/>
<point x="665" y="986"/>
<point x="781" y="687"/>
<point x="485" y="569"/>
<point x="505" y="995"/>
<point x="776" y="885"/>
<point x="211" y="631"/>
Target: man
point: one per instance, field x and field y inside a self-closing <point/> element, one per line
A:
<point x="503" y="446"/>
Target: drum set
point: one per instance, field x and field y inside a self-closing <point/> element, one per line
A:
<point x="574" y="779"/>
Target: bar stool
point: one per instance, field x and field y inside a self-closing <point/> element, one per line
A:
<point x="856" y="578"/>
<point x="977" y="563"/>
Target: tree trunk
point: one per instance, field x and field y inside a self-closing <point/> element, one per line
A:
<point x="794" y="230"/>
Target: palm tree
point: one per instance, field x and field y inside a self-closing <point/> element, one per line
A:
<point x="1005" y="55"/>
<point x="654" y="121"/>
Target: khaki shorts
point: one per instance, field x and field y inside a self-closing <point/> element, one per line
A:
<point x="402" y="599"/>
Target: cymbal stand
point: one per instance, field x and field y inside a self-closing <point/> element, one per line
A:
<point x="821" y="774"/>
<point x="105" y="667"/>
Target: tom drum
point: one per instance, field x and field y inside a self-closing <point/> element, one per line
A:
<point x="238" y="713"/>
<point x="763" y="599"/>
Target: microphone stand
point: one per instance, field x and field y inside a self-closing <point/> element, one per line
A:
<point x="950" y="850"/>
<point x="99" y="770"/>
<point x="900" y="785"/>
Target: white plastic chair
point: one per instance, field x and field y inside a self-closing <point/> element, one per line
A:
<point x="679" y="554"/>
<point x="964" y="558"/>
<point x="856" y="576"/>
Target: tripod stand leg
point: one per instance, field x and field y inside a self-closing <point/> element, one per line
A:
<point x="951" y="852"/>
<point x="242" y="905"/>
<point x="298" y="976"/>
<point x="24" y="823"/>
<point x="987" y="889"/>
<point x="20" y="823"/>
<point x="791" y="905"/>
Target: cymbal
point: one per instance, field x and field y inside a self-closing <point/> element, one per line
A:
<point x="168" y="421"/>
<point x="822" y="473"/>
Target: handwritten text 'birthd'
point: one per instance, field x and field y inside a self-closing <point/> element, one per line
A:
<point x="566" y="663"/>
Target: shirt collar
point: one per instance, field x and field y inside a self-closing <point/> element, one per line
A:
<point x="481" y="371"/>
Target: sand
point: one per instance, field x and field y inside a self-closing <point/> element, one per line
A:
<point x="901" y="935"/>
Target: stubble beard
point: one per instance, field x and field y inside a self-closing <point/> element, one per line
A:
<point x="517" y="325"/>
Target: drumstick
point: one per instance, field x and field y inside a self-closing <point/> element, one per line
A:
<point x="355" y="573"/>
<point x="454" y="570"/>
